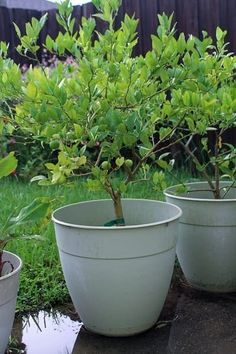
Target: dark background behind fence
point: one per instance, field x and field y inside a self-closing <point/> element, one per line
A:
<point x="192" y="16"/>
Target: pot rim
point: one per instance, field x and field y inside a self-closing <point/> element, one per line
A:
<point x="16" y="270"/>
<point x="81" y="226"/>
<point x="170" y="194"/>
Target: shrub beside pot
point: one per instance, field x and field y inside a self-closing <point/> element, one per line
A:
<point x="118" y="277"/>
<point x="206" y="246"/>
<point x="10" y="264"/>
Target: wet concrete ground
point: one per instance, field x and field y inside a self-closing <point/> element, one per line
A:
<point x="192" y="322"/>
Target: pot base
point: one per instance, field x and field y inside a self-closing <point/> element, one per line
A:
<point x="120" y="332"/>
<point x="213" y="288"/>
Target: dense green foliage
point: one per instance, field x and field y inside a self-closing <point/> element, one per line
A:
<point x="107" y="111"/>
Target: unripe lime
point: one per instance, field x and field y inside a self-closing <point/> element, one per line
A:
<point x="105" y="165"/>
<point x="128" y="163"/>
<point x="54" y="144"/>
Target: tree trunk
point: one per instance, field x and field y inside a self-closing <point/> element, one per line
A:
<point x="118" y="209"/>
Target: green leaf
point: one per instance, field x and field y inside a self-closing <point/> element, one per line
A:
<point x="219" y="33"/>
<point x="82" y="150"/>
<point x="31" y="90"/>
<point x="17" y="29"/>
<point x="8" y="165"/>
<point x="122" y="187"/>
<point x="45" y="182"/>
<point x="50" y="166"/>
<point x="81" y="161"/>
<point x="190" y="123"/>
<point x="164" y="76"/>
<point x="224" y="167"/>
<point x="181" y="188"/>
<point x="42" y="21"/>
<point x="58" y="177"/>
<point x="49" y="43"/>
<point x="165" y="133"/>
<point x="159" y="180"/>
<point x="4" y="77"/>
<point x="163" y="164"/>
<point x="93" y="185"/>
<point x="181" y="43"/>
<point x="157" y="44"/>
<point x="35" y="211"/>
<point x="38" y="178"/>
<point x="129" y="139"/>
<point x="78" y="130"/>
<point x="143" y="150"/>
<point x="186" y="98"/>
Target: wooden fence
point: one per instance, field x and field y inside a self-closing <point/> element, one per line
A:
<point x="191" y="16"/>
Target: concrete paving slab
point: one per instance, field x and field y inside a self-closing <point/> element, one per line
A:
<point x="153" y="341"/>
<point x="205" y="324"/>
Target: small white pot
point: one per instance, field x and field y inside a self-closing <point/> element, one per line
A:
<point x="9" y="284"/>
<point x="118" y="277"/>
<point x="206" y="246"/>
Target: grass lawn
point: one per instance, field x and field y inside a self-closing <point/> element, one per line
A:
<point x="42" y="284"/>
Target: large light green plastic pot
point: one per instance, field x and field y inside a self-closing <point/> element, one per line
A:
<point x="9" y="284"/>
<point x="118" y="277"/>
<point x="206" y="246"/>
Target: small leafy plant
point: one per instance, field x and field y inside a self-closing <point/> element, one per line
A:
<point x="35" y="211"/>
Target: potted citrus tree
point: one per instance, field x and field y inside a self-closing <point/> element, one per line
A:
<point x="109" y="119"/>
<point x="207" y="240"/>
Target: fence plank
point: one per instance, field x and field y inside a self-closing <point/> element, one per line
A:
<point x="187" y="17"/>
<point x="228" y="13"/>
<point x="209" y="15"/>
<point x="148" y="22"/>
<point x="166" y="6"/>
